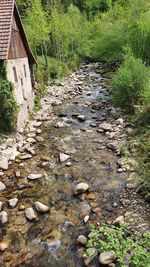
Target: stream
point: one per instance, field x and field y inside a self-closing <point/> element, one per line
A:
<point x="73" y="129"/>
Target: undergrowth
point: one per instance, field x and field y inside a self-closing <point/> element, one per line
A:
<point x="131" y="248"/>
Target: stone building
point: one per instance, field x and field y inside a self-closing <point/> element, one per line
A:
<point x="17" y="55"/>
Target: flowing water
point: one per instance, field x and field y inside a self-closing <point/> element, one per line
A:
<point x="50" y="241"/>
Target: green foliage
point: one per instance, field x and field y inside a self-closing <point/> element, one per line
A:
<point x="130" y="249"/>
<point x="94" y="6"/>
<point x="131" y="83"/>
<point x="8" y="110"/>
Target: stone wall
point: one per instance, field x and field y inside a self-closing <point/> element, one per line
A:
<point x="18" y="73"/>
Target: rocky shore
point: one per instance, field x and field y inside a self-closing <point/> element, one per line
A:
<point x="22" y="166"/>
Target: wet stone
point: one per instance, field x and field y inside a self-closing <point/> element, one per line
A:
<point x="35" y="176"/>
<point x="40" y="207"/>
<point x="30" y="214"/>
<point x="81" y="188"/>
<point x="13" y="202"/>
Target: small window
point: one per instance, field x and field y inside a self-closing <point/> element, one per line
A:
<point x="15" y="74"/>
<point x="25" y="73"/>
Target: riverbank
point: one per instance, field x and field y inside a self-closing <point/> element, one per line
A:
<point x="75" y="138"/>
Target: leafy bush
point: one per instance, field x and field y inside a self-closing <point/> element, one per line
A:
<point x="8" y="110"/>
<point x="130" y="249"/>
<point x="109" y="35"/>
<point x="131" y="83"/>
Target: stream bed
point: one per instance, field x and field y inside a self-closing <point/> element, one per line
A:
<point x="73" y="129"/>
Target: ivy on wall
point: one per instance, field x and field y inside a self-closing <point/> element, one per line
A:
<point x="8" y="105"/>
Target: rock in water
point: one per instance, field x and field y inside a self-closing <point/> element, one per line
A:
<point x="63" y="157"/>
<point x="4" y="164"/>
<point x="2" y="186"/>
<point x="82" y="240"/>
<point x="81" y="188"/>
<point x="3" y="217"/>
<point x="35" y="176"/>
<point x="30" y="214"/>
<point x="13" y="202"/>
<point x="40" y="207"/>
<point x="106" y="258"/>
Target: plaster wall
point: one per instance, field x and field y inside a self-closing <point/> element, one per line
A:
<point x="18" y="73"/>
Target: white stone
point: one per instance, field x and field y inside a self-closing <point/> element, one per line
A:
<point x="106" y="258"/>
<point x="40" y="207"/>
<point x="82" y="240"/>
<point x="13" y="202"/>
<point x="2" y="186"/>
<point x="119" y="221"/>
<point x="86" y="218"/>
<point x="63" y="157"/>
<point x="31" y="140"/>
<point x="38" y="124"/>
<point x="81" y="188"/>
<point x="4" y="164"/>
<point x="1" y="174"/>
<point x="3" y="217"/>
<point x="120" y="121"/>
<point x="30" y="214"/>
<point x="34" y="176"/>
<point x="26" y="156"/>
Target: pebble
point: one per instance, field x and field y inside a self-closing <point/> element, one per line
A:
<point x="119" y="221"/>
<point x="2" y="186"/>
<point x="26" y="156"/>
<point x="35" y="176"/>
<point x="1" y="174"/>
<point x="13" y="202"/>
<point x="68" y="164"/>
<point x="40" y="207"/>
<point x="17" y="174"/>
<point x="82" y="240"/>
<point x="4" y="244"/>
<point x="63" y="157"/>
<point x="81" y="118"/>
<point x="30" y="214"/>
<point x="81" y="188"/>
<point x="4" y="164"/>
<point x="31" y="140"/>
<point x="3" y="217"/>
<point x="106" y="258"/>
<point x="86" y="218"/>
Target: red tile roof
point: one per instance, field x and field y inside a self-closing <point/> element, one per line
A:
<point x="6" y="15"/>
<point x="8" y="8"/>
